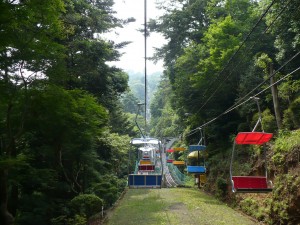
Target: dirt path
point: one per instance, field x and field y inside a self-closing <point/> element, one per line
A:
<point x="173" y="206"/>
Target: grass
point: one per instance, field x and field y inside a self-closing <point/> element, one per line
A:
<point x="173" y="206"/>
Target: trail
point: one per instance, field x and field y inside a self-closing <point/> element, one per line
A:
<point x="173" y="206"/>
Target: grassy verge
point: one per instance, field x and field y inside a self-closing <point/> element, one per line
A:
<point x="173" y="206"/>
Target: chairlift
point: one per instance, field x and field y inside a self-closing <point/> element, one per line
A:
<point x="251" y="184"/>
<point x="146" y="180"/>
<point x="199" y="169"/>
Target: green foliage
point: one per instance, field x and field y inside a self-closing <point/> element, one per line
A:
<point x="221" y="188"/>
<point x="288" y="89"/>
<point x="182" y="24"/>
<point x="109" y="189"/>
<point x="86" y="204"/>
<point x="263" y="61"/>
<point x="113" y="148"/>
<point x="137" y="85"/>
<point x="268" y="121"/>
<point x="254" y="208"/>
<point x="9" y="163"/>
<point x="57" y="96"/>
<point x="285" y="143"/>
<point x="36" y="208"/>
<point x="130" y="102"/>
<point x="295" y="110"/>
<point x="287" y="121"/>
<point x="284" y="202"/>
<point x="222" y="39"/>
<point x="164" y="119"/>
<point x="77" y="220"/>
<point x="202" y="87"/>
<point x="107" y="192"/>
<point x="286" y="29"/>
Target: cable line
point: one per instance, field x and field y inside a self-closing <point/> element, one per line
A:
<point x="272" y="75"/>
<point x="236" y="106"/>
<point x="267" y="28"/>
<point x="241" y="45"/>
<point x="228" y="63"/>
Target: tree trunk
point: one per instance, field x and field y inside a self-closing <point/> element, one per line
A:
<point x="275" y="98"/>
<point x="5" y="217"/>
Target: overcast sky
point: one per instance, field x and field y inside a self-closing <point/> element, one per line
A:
<point x="133" y="57"/>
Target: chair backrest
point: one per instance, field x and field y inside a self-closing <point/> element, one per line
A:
<point x="146" y="167"/>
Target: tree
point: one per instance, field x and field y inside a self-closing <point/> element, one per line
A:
<point x="53" y="78"/>
<point x="26" y="27"/>
<point x="184" y="22"/>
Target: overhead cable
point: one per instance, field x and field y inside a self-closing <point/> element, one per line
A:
<point x="240" y="46"/>
<point x="236" y="106"/>
<point x="220" y="84"/>
<point x="272" y="75"/>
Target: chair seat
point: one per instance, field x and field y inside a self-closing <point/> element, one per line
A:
<point x="178" y="163"/>
<point x="197" y="148"/>
<point x="196" y="169"/>
<point x="250" y="184"/>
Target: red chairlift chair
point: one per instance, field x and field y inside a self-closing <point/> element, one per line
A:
<point x="251" y="184"/>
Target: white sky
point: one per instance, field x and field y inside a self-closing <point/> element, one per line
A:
<point x="133" y="57"/>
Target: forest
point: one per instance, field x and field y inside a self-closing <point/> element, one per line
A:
<point x="66" y="115"/>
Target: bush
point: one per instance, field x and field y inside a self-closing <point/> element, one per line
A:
<point x="221" y="188"/>
<point x="284" y="208"/>
<point x="257" y="208"/>
<point x="77" y="220"/>
<point x="86" y="204"/>
<point x="284" y="144"/>
<point x="287" y="121"/>
<point x="35" y="209"/>
<point x="268" y="121"/>
<point x="295" y="109"/>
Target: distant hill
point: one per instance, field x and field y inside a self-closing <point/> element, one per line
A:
<point x="137" y="84"/>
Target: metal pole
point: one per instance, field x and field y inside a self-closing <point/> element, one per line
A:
<point x="136" y="119"/>
<point x="259" y="115"/>
<point x="145" y="36"/>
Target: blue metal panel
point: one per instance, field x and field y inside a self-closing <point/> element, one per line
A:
<point x="193" y="148"/>
<point x="130" y="180"/>
<point x="139" y="180"/>
<point x="151" y="180"/>
<point x="136" y="181"/>
<point x="196" y="169"/>
<point x="158" y="182"/>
